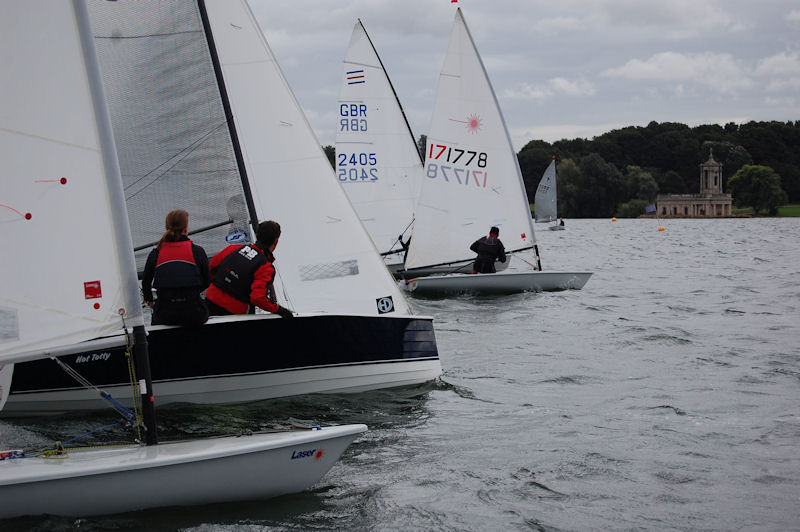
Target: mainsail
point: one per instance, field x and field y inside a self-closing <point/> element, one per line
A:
<point x="471" y="178"/>
<point x="205" y="120"/>
<point x="377" y="160"/>
<point x="546" y="209"/>
<point x="56" y="200"/>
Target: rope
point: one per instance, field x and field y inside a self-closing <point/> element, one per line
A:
<point x="132" y="417"/>
<point x="57" y="449"/>
<point x="523" y="260"/>
<point x="136" y="398"/>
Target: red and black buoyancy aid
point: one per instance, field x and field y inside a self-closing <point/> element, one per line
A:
<point x="234" y="276"/>
<point x="176" y="267"/>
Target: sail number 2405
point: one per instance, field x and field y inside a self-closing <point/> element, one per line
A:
<point x="357" y="166"/>
<point x="461" y="165"/>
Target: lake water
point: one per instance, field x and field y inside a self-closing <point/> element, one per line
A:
<point x="665" y="395"/>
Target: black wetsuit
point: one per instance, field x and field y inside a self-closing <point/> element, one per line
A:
<point x="489" y="249"/>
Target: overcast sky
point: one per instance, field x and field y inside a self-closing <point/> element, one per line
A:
<point x="562" y="68"/>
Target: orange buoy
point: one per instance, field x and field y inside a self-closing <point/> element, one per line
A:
<point x="661" y="228"/>
<point x="613" y="219"/>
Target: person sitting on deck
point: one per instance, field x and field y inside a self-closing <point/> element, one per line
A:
<point x="243" y="276"/>
<point x="178" y="269"/>
<point x="489" y="249"/>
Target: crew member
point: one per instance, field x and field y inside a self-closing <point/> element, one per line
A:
<point x="178" y="269"/>
<point x="489" y="249"/>
<point x="243" y="276"/>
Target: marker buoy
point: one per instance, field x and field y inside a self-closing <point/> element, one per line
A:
<point x="613" y="219"/>
<point x="661" y="228"/>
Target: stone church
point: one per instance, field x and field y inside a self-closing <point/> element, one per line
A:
<point x="711" y="202"/>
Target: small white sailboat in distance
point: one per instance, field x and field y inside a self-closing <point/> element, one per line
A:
<point x="63" y="197"/>
<point x="471" y="182"/>
<point x="546" y="199"/>
<point x="377" y="161"/>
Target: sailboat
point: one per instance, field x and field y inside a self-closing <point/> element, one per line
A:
<point x="546" y="205"/>
<point x="204" y="120"/>
<point x="471" y="182"/>
<point x="74" y="283"/>
<point x="377" y="161"/>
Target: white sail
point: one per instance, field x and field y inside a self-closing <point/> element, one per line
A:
<point x="546" y="209"/>
<point x="377" y="160"/>
<point x="471" y="179"/>
<point x="326" y="262"/>
<point x="61" y="280"/>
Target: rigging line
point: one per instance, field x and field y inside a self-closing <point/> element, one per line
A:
<point x="181" y="155"/>
<point x="398" y="241"/>
<point x="116" y="405"/>
<point x="59" y="446"/>
<point x="283" y="288"/>
<point x="462" y="267"/>
<point x="523" y="260"/>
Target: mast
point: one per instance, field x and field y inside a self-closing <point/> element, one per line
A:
<point x="121" y="227"/>
<point x="226" y="105"/>
<point x="394" y="92"/>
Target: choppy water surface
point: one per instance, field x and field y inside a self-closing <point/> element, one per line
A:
<point x="665" y="395"/>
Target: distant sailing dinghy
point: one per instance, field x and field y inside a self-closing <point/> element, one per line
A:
<point x="63" y="197"/>
<point x="471" y="182"/>
<point x="545" y="202"/>
<point x="377" y="160"/>
<point x="226" y="139"/>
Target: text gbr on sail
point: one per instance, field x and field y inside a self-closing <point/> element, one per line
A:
<point x="352" y="117"/>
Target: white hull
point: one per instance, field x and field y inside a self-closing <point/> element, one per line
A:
<point x="556" y="228"/>
<point x="499" y="283"/>
<point x="121" y="479"/>
<point x="232" y="389"/>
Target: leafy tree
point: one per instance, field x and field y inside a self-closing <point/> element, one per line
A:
<point x="422" y="143"/>
<point x="533" y="159"/>
<point x="568" y="179"/>
<point x="758" y="187"/>
<point x="599" y="187"/>
<point x="633" y="209"/>
<point x="640" y="184"/>
<point x="330" y="153"/>
<point x="672" y="183"/>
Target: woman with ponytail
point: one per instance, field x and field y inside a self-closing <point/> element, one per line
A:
<point x="178" y="270"/>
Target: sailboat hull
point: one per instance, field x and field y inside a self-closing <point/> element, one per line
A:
<point x="236" y="359"/>
<point x="111" y="480"/>
<point x="498" y="283"/>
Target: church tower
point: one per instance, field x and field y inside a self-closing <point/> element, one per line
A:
<point x="711" y="176"/>
<point x="711" y="202"/>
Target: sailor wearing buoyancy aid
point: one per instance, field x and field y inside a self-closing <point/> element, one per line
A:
<point x="178" y="269"/>
<point x="489" y="249"/>
<point x="243" y="276"/>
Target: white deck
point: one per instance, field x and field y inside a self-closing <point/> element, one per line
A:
<point x="127" y="478"/>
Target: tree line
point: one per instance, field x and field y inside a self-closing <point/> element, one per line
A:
<point x="622" y="171"/>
